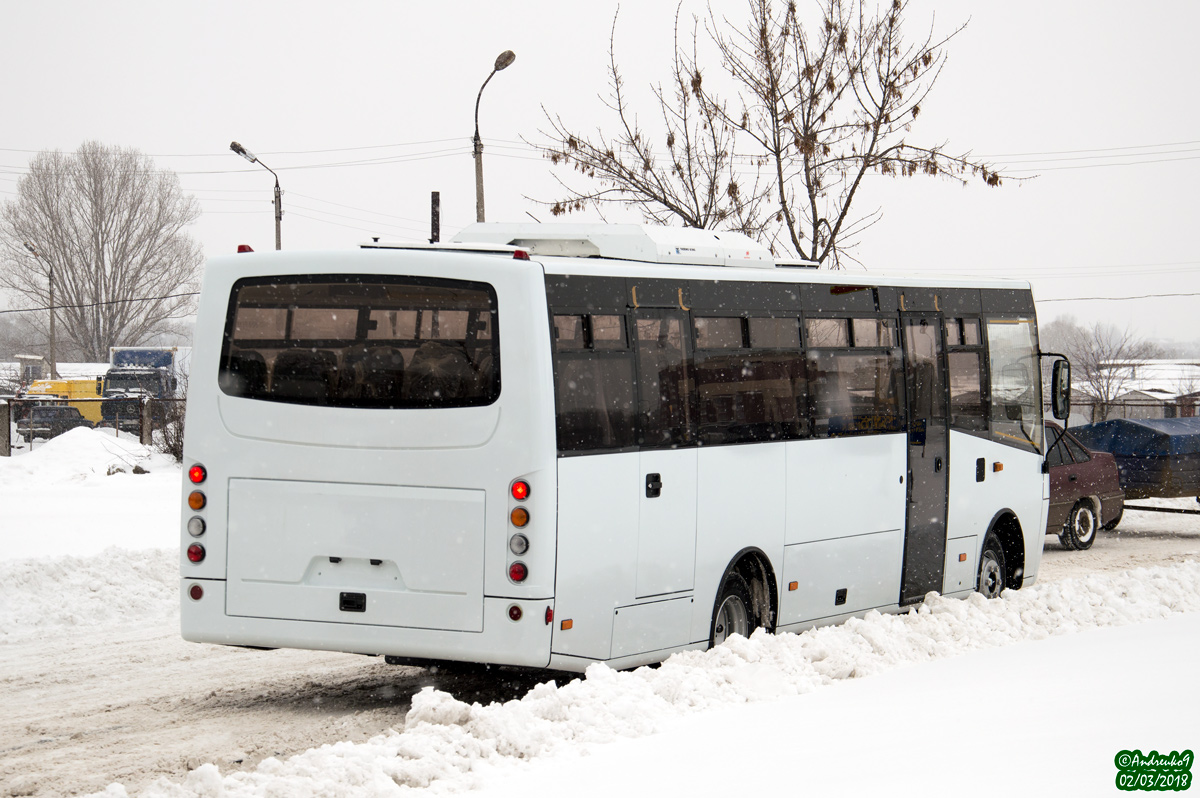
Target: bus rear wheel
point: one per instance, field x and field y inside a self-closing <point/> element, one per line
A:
<point x="991" y="567"/>
<point x="734" y="613"/>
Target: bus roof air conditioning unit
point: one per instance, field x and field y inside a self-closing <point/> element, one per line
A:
<point x="635" y="242"/>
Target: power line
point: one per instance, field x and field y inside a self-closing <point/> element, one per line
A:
<point x="102" y="304"/>
<point x="1115" y="298"/>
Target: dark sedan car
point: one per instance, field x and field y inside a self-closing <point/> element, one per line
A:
<point x="48" y="421"/>
<point x="1085" y="491"/>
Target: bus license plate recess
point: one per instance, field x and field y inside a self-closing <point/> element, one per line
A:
<point x="296" y="549"/>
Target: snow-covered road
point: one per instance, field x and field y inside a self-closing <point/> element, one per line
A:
<point x="98" y="688"/>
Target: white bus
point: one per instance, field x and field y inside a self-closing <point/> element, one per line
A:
<point x="552" y="445"/>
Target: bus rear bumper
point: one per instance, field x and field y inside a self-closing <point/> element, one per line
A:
<point x="524" y="643"/>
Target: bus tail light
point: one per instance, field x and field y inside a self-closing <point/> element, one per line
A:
<point x="517" y="572"/>
<point x="197" y="474"/>
<point x="514" y="613"/>
<point x="196" y="592"/>
<point x="195" y="552"/>
<point x="520" y="490"/>
<point x="195" y="526"/>
<point x="518" y="544"/>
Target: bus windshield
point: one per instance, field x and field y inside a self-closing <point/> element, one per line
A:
<point x="362" y="341"/>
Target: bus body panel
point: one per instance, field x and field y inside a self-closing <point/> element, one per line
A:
<point x="523" y="644"/>
<point x="1012" y="479"/>
<point x="741" y="502"/>
<point x="839" y="575"/>
<point x="598" y="531"/>
<point x="666" y="553"/>
<point x="272" y="465"/>
<point x="828" y="479"/>
<point x="414" y="555"/>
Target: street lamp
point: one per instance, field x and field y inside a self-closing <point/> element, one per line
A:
<point x="503" y="60"/>
<point x="252" y="158"/>
<point x="50" y="264"/>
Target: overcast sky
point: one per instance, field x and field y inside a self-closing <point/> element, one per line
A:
<point x="364" y="108"/>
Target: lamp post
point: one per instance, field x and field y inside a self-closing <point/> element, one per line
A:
<point x="252" y="158"/>
<point x="50" y="265"/>
<point x="503" y="60"/>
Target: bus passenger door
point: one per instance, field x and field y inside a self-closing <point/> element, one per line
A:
<point x="928" y="450"/>
<point x="667" y="489"/>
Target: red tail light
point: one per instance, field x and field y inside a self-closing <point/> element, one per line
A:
<point x="196" y="592"/>
<point x="245" y="248"/>
<point x="520" y="490"/>
<point x="197" y="474"/>
<point x="517" y="572"/>
<point x="195" y="552"/>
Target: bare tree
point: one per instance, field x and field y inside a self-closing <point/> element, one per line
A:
<point x="1103" y="359"/>
<point x="783" y="158"/>
<point x="111" y="226"/>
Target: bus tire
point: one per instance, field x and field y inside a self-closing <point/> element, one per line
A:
<point x="734" y="612"/>
<point x="991" y="567"/>
<point x="1081" y="526"/>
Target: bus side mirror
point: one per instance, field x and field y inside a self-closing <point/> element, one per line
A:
<point x="1060" y="390"/>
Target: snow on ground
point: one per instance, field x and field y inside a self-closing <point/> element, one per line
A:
<point x="1034" y="692"/>
<point x="59" y="498"/>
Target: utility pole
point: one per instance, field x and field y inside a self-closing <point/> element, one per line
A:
<point x="435" y="216"/>
<point x="503" y="61"/>
<point x="50" y="265"/>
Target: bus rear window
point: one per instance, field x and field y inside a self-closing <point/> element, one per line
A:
<point x="364" y="341"/>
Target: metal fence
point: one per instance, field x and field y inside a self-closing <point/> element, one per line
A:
<point x="152" y="421"/>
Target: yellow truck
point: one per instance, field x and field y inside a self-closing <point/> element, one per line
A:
<point x="87" y="388"/>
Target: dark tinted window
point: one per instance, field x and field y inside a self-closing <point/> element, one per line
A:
<point x="362" y="341"/>
<point x="593" y="382"/>
<point x="753" y="393"/>
<point x="854" y="392"/>
<point x="664" y="388"/>
<point x="968" y="409"/>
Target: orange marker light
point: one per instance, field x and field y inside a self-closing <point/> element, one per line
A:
<point x="997" y="467"/>
<point x="962" y="557"/>
<point x="793" y="585"/>
<point x="519" y="517"/>
<point x="565" y="625"/>
<point x="196" y="500"/>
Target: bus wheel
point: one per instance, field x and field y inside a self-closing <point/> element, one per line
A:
<point x="991" y="567"/>
<point x="1080" y="530"/>
<point x="733" y="614"/>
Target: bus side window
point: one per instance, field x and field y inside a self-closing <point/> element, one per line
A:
<point x="593" y="390"/>
<point x="853" y="379"/>
<point x="965" y="362"/>
<point x="749" y="393"/>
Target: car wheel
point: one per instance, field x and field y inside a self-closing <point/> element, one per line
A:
<point x="734" y="613"/>
<point x="1081" y="525"/>
<point x="1111" y="525"/>
<point x="991" y="568"/>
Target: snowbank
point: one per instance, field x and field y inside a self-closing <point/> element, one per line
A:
<point x="61" y="499"/>
<point x="448" y="745"/>
<point x="43" y="596"/>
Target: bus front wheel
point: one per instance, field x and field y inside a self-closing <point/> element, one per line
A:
<point x="734" y="612"/>
<point x="991" y="567"/>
